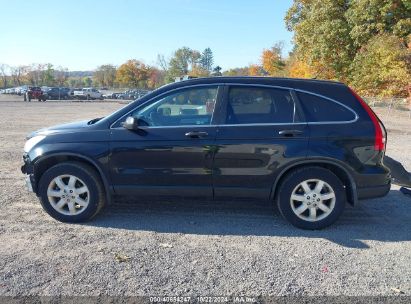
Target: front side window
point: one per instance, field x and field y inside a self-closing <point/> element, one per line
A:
<point x="254" y="105"/>
<point x="193" y="106"/>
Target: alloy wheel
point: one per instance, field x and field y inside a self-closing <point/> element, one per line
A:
<point x="313" y="200"/>
<point x="68" y="194"/>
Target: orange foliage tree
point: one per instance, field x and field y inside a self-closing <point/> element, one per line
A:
<point x="272" y="62"/>
<point x="133" y="74"/>
<point x="255" y="70"/>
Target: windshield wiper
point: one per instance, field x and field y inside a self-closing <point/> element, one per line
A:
<point x="93" y="121"/>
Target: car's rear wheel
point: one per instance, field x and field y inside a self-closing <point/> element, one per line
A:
<point x="71" y="192"/>
<point x="311" y="198"/>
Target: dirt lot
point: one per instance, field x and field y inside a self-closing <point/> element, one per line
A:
<point x="201" y="248"/>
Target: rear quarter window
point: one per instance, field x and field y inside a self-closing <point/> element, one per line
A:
<point x="318" y="109"/>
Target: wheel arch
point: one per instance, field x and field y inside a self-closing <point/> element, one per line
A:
<point x="339" y="170"/>
<point x="48" y="161"/>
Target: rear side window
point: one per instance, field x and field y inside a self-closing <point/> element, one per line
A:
<point x="253" y="105"/>
<point x="318" y="109"/>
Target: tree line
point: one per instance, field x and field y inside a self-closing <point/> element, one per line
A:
<point x="137" y="74"/>
<point x="43" y="75"/>
<point x="131" y="74"/>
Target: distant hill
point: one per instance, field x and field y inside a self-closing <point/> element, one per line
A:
<point x="80" y="73"/>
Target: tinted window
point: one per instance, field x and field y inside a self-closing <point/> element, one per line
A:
<point x="260" y="105"/>
<point x="319" y="109"/>
<point x="186" y="107"/>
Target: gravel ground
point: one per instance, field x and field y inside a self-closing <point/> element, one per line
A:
<point x="193" y="248"/>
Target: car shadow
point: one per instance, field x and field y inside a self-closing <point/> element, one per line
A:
<point x="384" y="219"/>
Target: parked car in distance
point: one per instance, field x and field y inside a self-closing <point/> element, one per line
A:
<point x="21" y="90"/>
<point x="72" y="90"/>
<point x="126" y="95"/>
<point x="310" y="146"/>
<point x="110" y="95"/>
<point x="58" y="93"/>
<point x="88" y="94"/>
<point x="132" y="94"/>
<point x="34" y="93"/>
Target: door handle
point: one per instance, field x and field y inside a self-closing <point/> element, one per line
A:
<point x="196" y="134"/>
<point x="290" y="133"/>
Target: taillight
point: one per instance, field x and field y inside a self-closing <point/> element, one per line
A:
<point x="380" y="135"/>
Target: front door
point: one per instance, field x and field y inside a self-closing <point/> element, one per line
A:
<point x="172" y="151"/>
<point x="262" y="132"/>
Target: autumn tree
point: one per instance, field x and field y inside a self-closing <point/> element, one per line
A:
<point x="61" y="75"/>
<point x="87" y="81"/>
<point x="370" y="18"/>
<point x="255" y="70"/>
<point x="333" y="39"/>
<point x="237" y="72"/>
<point x="182" y="62"/>
<point x="72" y="82"/>
<point x="382" y="67"/>
<point x="105" y="75"/>
<point x="156" y="78"/>
<point x="133" y="74"/>
<point x="17" y="74"/>
<point x="198" y="71"/>
<point x="272" y="61"/>
<point x="33" y="74"/>
<point x="47" y="76"/>
<point x="298" y="68"/>
<point x="322" y="34"/>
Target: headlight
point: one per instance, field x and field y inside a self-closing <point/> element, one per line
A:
<point x="32" y="142"/>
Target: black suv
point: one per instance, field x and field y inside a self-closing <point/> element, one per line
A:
<point x="308" y="145"/>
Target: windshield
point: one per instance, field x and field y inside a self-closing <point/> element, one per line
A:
<point x="123" y="110"/>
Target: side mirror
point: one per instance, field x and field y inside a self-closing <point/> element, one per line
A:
<point x="131" y="123"/>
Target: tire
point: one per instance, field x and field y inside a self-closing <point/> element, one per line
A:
<point x="86" y="178"/>
<point x="312" y="209"/>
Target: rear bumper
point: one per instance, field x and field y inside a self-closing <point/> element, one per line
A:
<point x="374" y="191"/>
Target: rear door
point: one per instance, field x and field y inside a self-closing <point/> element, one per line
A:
<point x="261" y="131"/>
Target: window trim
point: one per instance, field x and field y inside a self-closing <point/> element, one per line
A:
<point x="221" y="100"/>
<point x="329" y="99"/>
<point x="219" y="87"/>
<point x="297" y="107"/>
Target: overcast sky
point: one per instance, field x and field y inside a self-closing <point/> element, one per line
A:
<point x="83" y="34"/>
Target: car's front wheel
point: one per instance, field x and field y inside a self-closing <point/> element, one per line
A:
<point x="71" y="192"/>
<point x="311" y="198"/>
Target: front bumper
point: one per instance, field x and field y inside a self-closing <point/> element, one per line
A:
<point x="29" y="182"/>
<point x="27" y="170"/>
